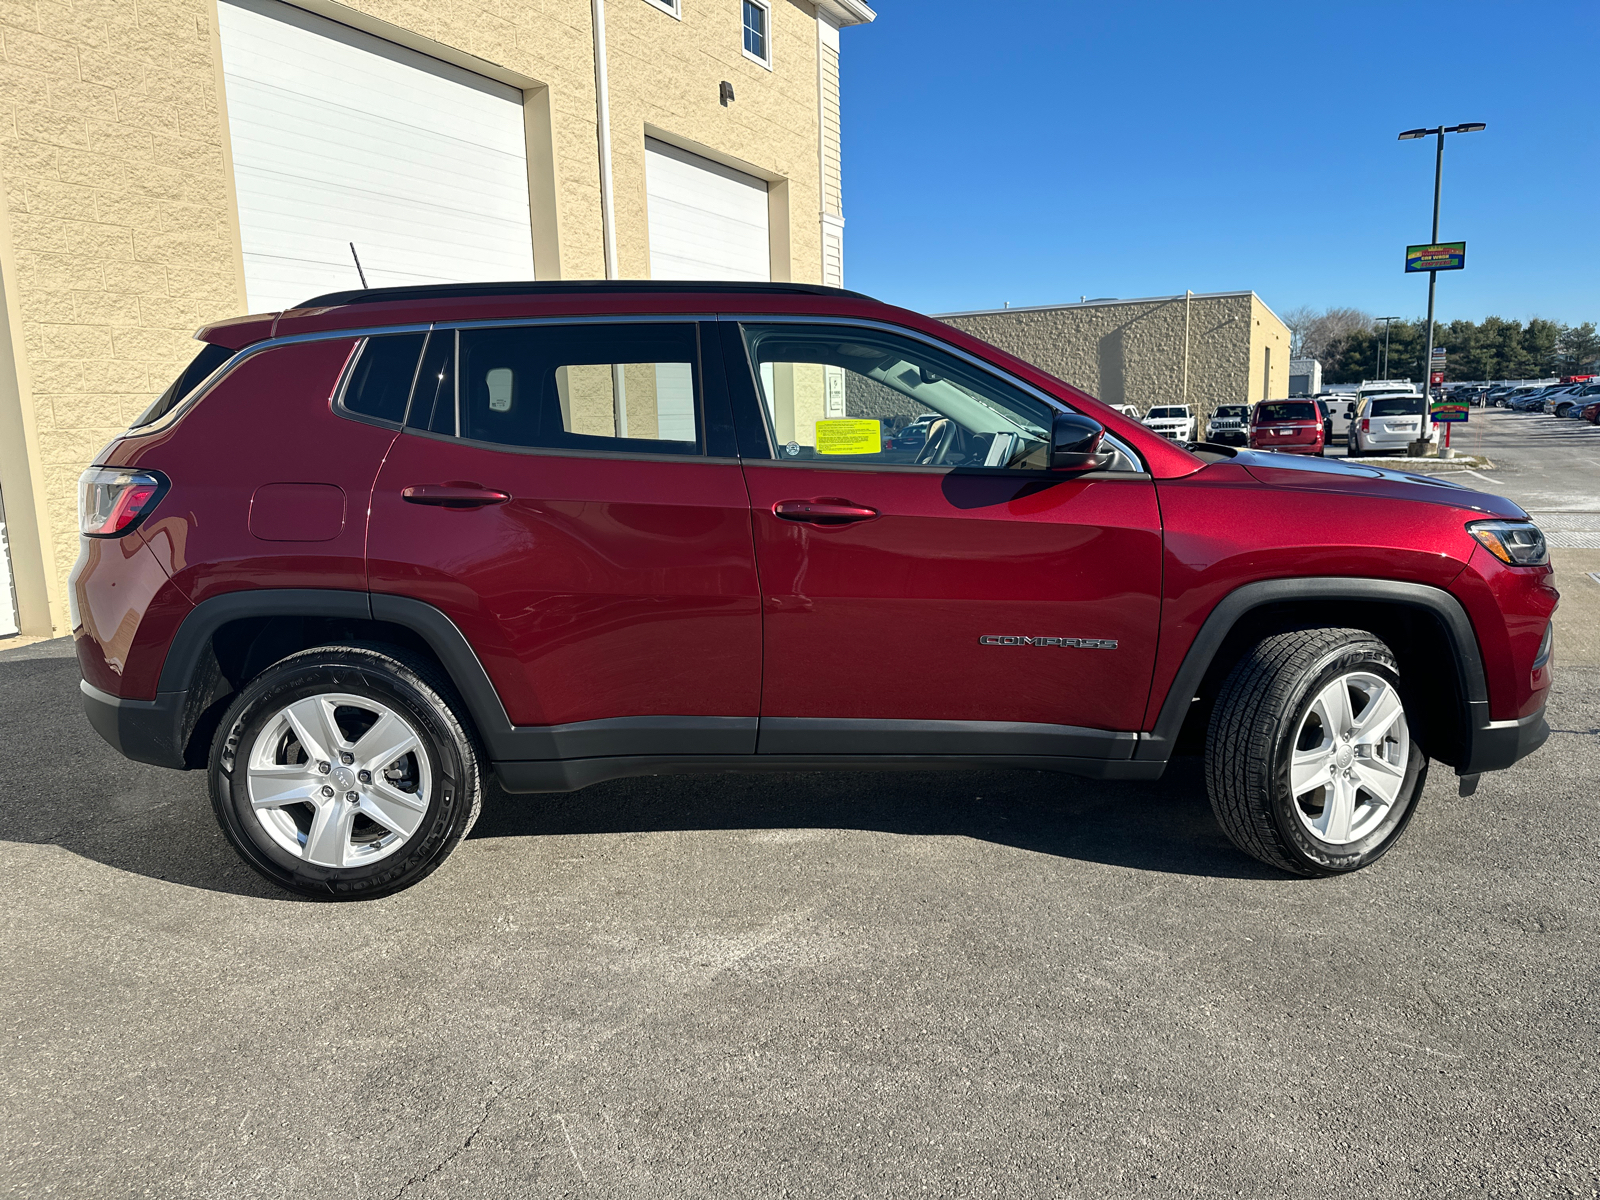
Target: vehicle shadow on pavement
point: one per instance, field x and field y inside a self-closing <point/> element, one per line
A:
<point x="1165" y="826"/>
<point x="61" y="785"/>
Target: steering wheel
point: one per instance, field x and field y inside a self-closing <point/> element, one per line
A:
<point x="940" y="441"/>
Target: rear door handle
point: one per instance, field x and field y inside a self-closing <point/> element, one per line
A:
<point x="823" y="512"/>
<point x="447" y="495"/>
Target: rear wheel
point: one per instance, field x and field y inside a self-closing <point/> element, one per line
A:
<point x="342" y="773"/>
<point x="1309" y="760"/>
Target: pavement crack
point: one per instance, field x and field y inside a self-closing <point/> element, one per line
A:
<point x="424" y="1176"/>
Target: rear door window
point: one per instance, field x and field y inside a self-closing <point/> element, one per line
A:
<point x="601" y="387"/>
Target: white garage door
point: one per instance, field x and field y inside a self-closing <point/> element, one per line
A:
<point x="707" y="221"/>
<point x="342" y="137"/>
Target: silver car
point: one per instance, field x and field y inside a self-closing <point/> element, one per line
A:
<point x="1391" y="423"/>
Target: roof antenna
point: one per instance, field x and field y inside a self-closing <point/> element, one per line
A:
<point x="359" y="271"/>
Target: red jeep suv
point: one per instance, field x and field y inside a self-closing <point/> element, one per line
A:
<point x="366" y="550"/>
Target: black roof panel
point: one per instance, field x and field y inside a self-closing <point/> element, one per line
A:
<point x="570" y="287"/>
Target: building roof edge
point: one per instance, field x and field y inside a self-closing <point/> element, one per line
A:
<point x="848" y="12"/>
<point x="984" y="312"/>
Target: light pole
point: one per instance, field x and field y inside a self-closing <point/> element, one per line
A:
<point x="1383" y="367"/>
<point x="1433" y="276"/>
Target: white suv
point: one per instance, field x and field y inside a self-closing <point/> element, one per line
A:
<point x="1391" y="423"/>
<point x="1173" y="421"/>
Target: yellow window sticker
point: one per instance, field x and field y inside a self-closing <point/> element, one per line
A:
<point x="849" y="436"/>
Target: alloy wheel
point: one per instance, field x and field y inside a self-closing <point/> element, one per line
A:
<point x="1350" y="757"/>
<point x="338" y="780"/>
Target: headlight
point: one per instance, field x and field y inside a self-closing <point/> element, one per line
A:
<point x="112" y="501"/>
<point x="1515" y="543"/>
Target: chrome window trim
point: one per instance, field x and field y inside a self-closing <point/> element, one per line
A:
<point x="239" y="356"/>
<point x="361" y="332"/>
<point x="988" y="368"/>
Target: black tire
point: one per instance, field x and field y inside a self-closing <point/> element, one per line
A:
<point x="1251" y="738"/>
<point x="408" y="686"/>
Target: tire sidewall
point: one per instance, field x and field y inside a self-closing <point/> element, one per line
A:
<point x="377" y="678"/>
<point x="1325" y="856"/>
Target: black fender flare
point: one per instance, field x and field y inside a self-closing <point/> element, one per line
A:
<point x="1239" y="603"/>
<point x="186" y="655"/>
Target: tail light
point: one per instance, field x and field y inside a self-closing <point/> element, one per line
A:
<point x="1366" y="425"/>
<point x="112" y="500"/>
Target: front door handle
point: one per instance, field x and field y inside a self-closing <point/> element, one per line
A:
<point x="823" y="512"/>
<point x="450" y="495"/>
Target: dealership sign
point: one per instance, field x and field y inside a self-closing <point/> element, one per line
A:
<point x="1442" y="256"/>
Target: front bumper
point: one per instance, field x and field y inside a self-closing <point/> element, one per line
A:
<point x="1497" y="745"/>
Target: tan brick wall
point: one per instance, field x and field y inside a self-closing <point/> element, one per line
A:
<point x="117" y="184"/>
<point x="1132" y="353"/>
<point x="664" y="74"/>
<point x="1269" y="353"/>
<point x="120" y="232"/>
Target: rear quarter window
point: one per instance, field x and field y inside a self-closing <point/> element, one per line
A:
<point x="380" y="382"/>
<point x="199" y="369"/>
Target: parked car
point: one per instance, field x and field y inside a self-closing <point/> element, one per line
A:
<point x="1342" y="409"/>
<point x="1174" y="421"/>
<point x="1229" y="425"/>
<point x="1589" y="393"/>
<point x="1525" y="398"/>
<point x="1496" y="397"/>
<point x="1289" y="426"/>
<point x="1591" y="412"/>
<point x="1390" y="424"/>
<point x="369" y="551"/>
<point x="1127" y="410"/>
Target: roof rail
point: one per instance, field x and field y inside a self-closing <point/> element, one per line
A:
<point x="571" y="287"/>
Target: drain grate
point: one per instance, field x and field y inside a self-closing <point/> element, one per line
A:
<point x="1570" y="530"/>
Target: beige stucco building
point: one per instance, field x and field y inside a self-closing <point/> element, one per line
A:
<point x="170" y="162"/>
<point x="1202" y="350"/>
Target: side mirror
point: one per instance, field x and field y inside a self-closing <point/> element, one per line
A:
<point x="1074" y="441"/>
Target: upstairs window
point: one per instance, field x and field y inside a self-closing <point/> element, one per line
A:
<point x="667" y="6"/>
<point x="757" y="31"/>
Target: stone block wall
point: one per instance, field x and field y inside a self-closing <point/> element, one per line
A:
<point x="1132" y="352"/>
<point x="118" y="229"/>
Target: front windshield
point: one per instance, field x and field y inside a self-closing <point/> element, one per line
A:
<point x="1231" y="410"/>
<point x="1165" y="412"/>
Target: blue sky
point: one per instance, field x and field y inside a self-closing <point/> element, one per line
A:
<point x="1035" y="152"/>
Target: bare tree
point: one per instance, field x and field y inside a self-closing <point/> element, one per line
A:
<point x="1315" y="334"/>
<point x="1299" y="320"/>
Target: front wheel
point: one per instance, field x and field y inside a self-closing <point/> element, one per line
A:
<point x="1310" y="764"/>
<point x="342" y="773"/>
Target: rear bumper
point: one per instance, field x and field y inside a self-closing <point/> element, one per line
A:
<point x="1290" y="447"/>
<point x="147" y="731"/>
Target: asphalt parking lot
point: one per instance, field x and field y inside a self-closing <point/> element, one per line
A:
<point x="963" y="984"/>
